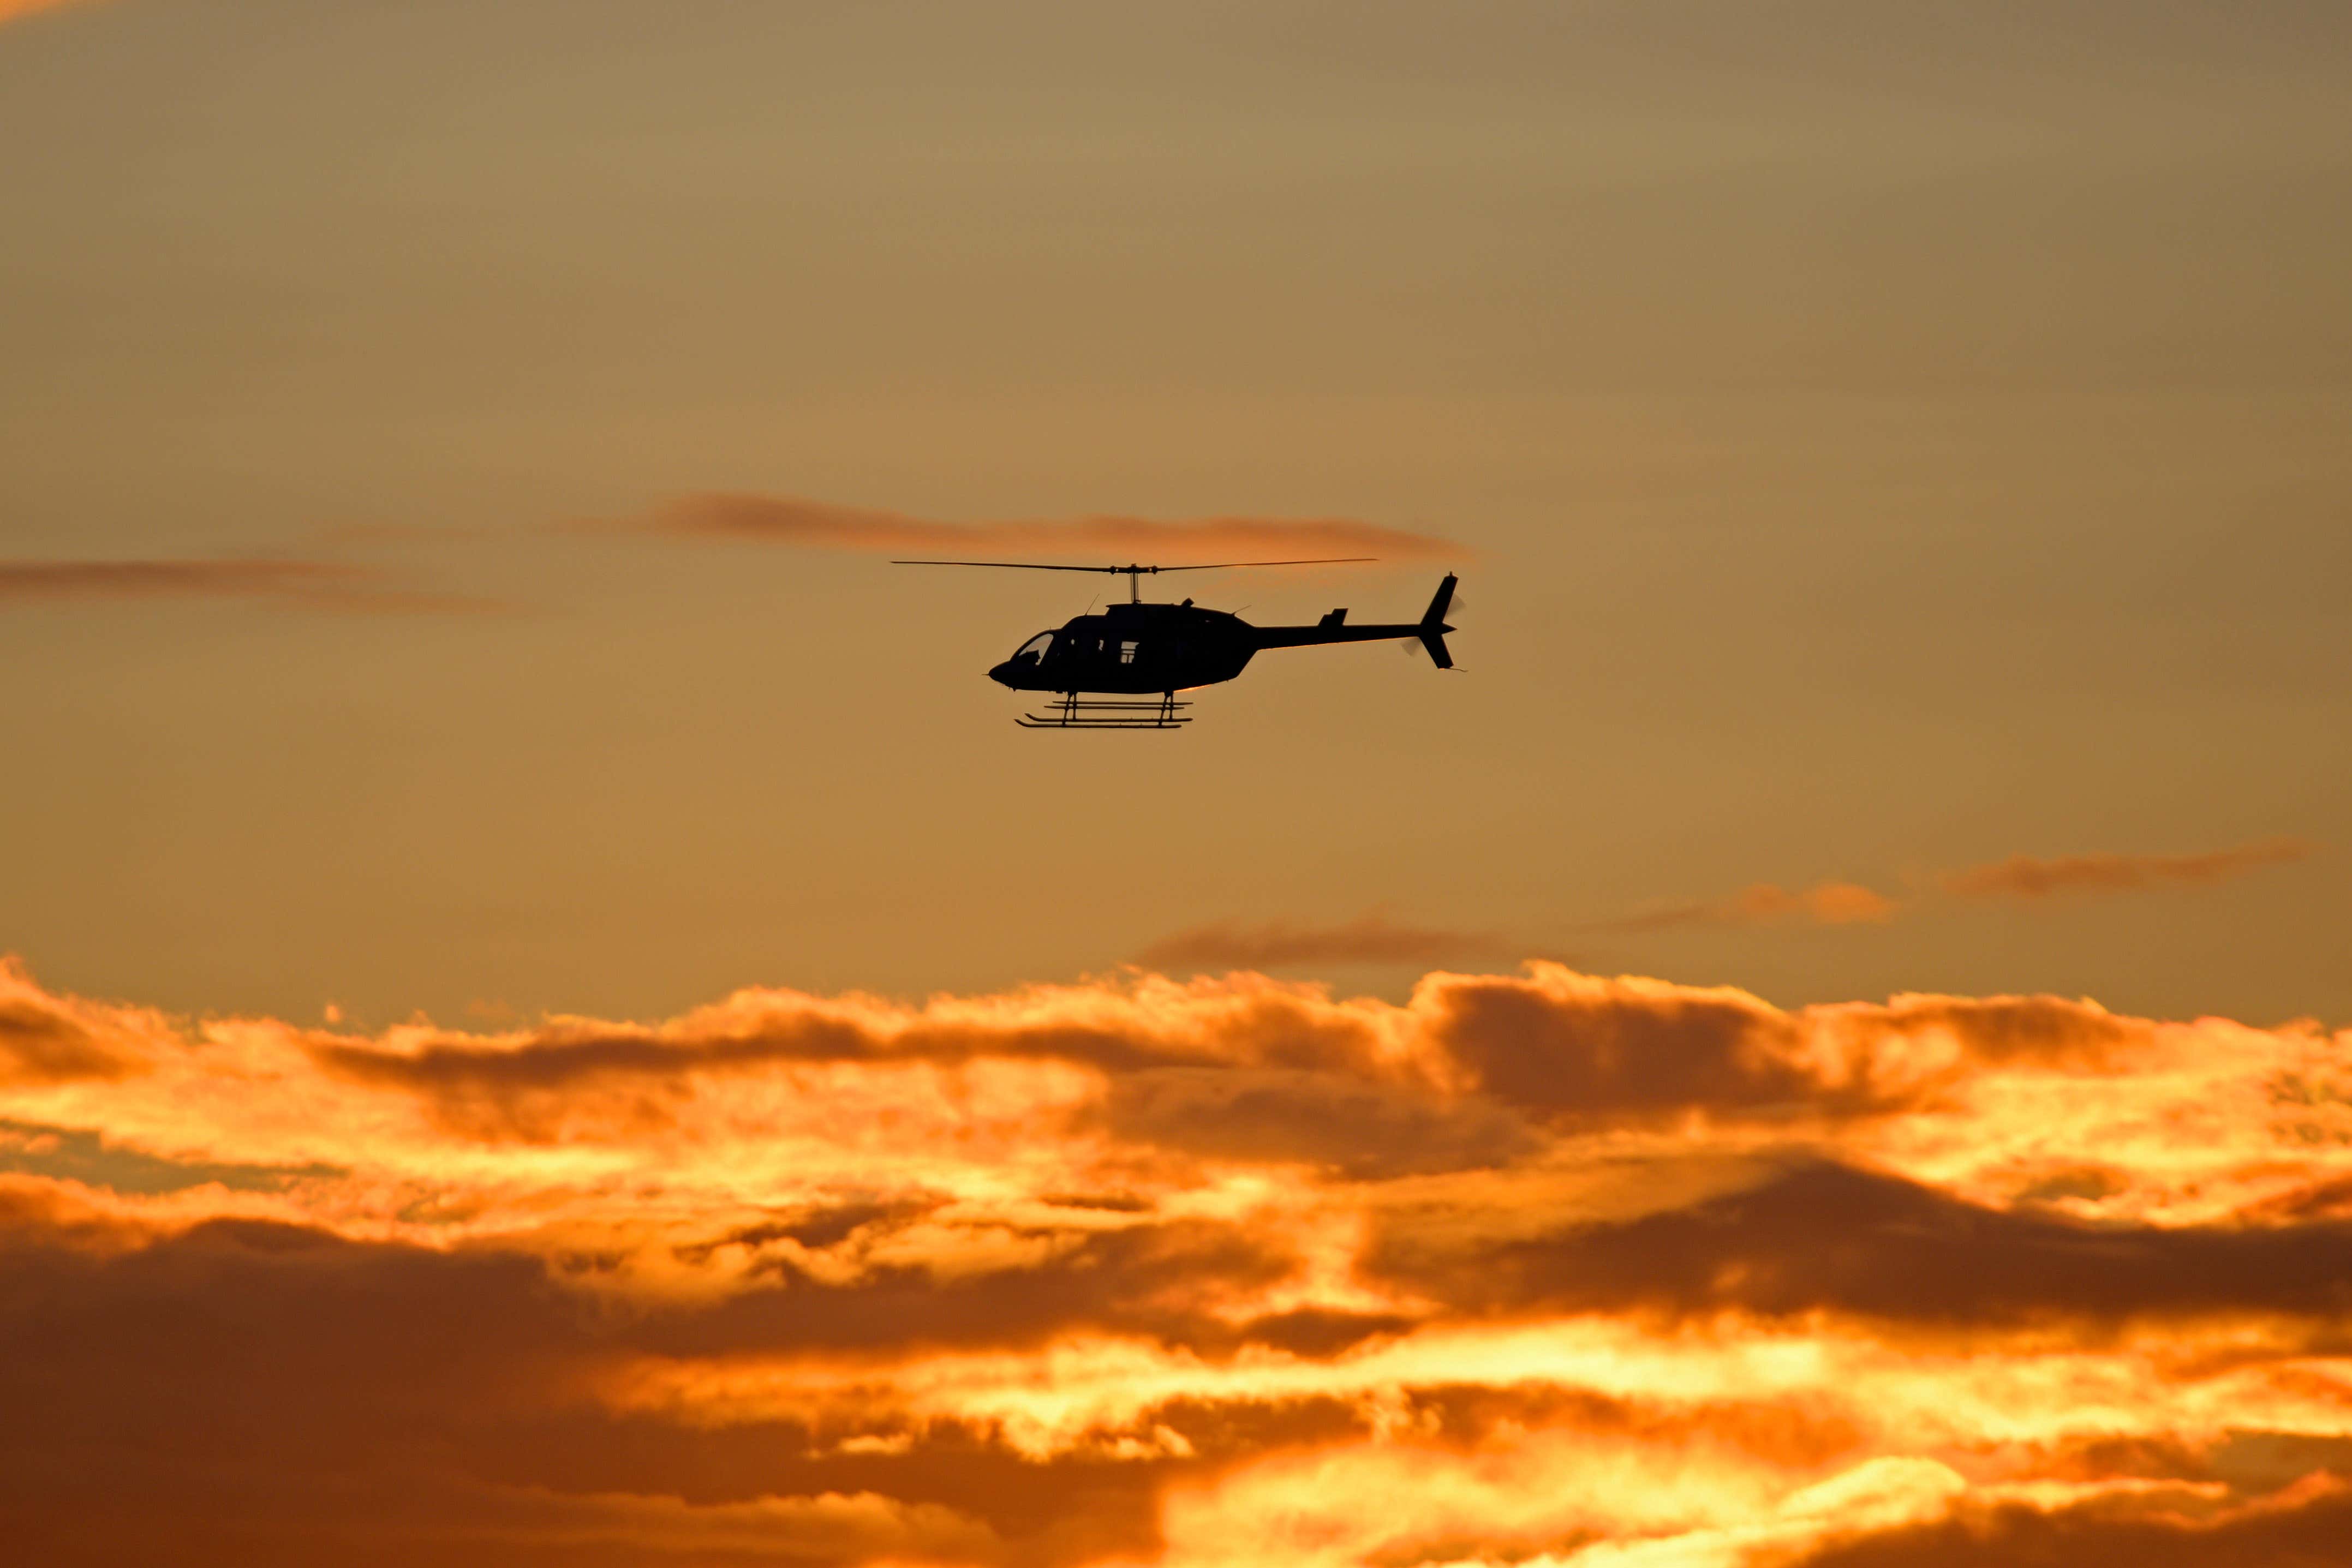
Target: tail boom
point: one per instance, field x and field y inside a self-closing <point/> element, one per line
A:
<point x="1431" y="629"/>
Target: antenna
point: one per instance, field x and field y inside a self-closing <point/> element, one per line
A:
<point x="1134" y="574"/>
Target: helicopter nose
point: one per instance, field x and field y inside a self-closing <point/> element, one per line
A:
<point x="1003" y="674"/>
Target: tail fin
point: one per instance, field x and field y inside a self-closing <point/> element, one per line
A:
<point x="1433" y="627"/>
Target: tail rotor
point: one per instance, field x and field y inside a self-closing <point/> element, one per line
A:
<point x="1430" y="638"/>
<point x="1414" y="648"/>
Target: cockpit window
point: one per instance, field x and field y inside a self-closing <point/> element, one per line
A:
<point x="1033" y="651"/>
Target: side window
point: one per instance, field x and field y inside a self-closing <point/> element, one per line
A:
<point x="1127" y="653"/>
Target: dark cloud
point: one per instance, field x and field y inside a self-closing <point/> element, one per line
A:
<point x="2005" y="1031"/>
<point x="1292" y="1065"/>
<point x="2330" y="1199"/>
<point x="1823" y="1235"/>
<point x="270" y="1393"/>
<point x="274" y="1394"/>
<point x="828" y="1226"/>
<point x="568" y="1075"/>
<point x="1139" y="1281"/>
<point x="1574" y="1048"/>
<point x="1603" y="1049"/>
<point x="40" y="1043"/>
<point x="2302" y="1527"/>
<point x="1351" y="1128"/>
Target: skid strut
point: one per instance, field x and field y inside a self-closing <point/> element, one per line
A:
<point x="1070" y="711"/>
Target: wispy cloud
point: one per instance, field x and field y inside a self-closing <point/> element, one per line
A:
<point x="2030" y="876"/>
<point x="2021" y="876"/>
<point x="1286" y="944"/>
<point x="1764" y="903"/>
<point x="322" y="584"/>
<point x="820" y="525"/>
<point x="11" y="9"/>
<point x="1225" y="1273"/>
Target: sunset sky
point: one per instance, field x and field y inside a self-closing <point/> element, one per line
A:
<point x="551" y="1016"/>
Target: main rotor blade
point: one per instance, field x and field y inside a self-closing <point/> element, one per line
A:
<point x="1132" y="570"/>
<point x="1318" y="560"/>
<point x="1025" y="565"/>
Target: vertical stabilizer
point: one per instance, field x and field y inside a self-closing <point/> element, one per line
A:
<point x="1433" y="627"/>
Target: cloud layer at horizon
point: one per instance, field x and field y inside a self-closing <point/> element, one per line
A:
<point x="1534" y="1268"/>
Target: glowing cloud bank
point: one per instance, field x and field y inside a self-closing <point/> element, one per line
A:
<point x="1537" y="1268"/>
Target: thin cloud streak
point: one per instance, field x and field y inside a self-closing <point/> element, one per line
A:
<point x="1764" y="904"/>
<point x="2028" y="876"/>
<point x="2021" y="876"/>
<point x="318" y="584"/>
<point x="1283" y="944"/>
<point x="820" y="525"/>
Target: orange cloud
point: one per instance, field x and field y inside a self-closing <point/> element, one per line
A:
<point x="11" y="9"/>
<point x="2026" y="876"/>
<point x="1526" y="1266"/>
<point x="1824" y="903"/>
<point x="819" y="525"/>
<point x="1283" y="944"/>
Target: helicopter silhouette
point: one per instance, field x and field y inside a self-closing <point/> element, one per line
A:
<point x="1101" y="663"/>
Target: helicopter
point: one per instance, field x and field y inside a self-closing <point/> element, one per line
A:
<point x="1102" y="664"/>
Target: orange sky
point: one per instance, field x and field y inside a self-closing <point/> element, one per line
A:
<point x="449" y="456"/>
<point x="549" y="1016"/>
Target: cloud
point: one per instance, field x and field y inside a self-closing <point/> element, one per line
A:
<point x="1763" y="903"/>
<point x="1283" y="944"/>
<point x="819" y="525"/>
<point x="42" y="1045"/>
<point x="51" y="1040"/>
<point x="2020" y="876"/>
<point x="1826" y="1236"/>
<point x="328" y="585"/>
<point x="1144" y="1271"/>
<point x="10" y="10"/>
<point x="2027" y="876"/>
<point x="1358" y="1129"/>
<point x="125" y="578"/>
<point x="2301" y="1523"/>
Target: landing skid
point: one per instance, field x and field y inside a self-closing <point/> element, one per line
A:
<point x="1072" y="712"/>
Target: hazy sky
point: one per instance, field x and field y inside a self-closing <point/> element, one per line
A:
<point x="549" y="1016"/>
<point x="1879" y="440"/>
